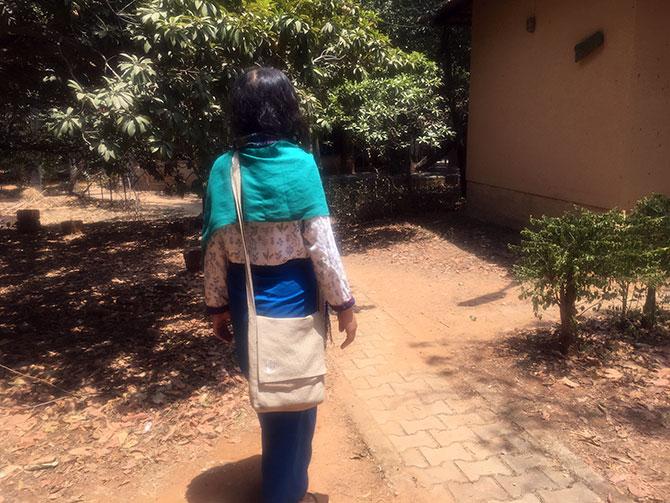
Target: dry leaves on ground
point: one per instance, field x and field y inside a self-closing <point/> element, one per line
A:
<point x="113" y="366"/>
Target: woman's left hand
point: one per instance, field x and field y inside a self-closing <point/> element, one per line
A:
<point x="220" y="325"/>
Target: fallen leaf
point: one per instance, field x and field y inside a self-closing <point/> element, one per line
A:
<point x="79" y="451"/>
<point x="122" y="437"/>
<point x="612" y="373"/>
<point x="42" y="464"/>
<point x="8" y="470"/>
<point x="569" y="383"/>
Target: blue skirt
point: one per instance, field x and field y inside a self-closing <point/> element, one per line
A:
<point x="284" y="291"/>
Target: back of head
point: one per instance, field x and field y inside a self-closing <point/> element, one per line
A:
<point x="263" y="101"/>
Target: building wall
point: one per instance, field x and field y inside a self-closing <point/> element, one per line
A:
<point x="648" y="161"/>
<point x="545" y="132"/>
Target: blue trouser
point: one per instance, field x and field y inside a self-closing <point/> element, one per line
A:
<point x="284" y="291"/>
<point x="287" y="451"/>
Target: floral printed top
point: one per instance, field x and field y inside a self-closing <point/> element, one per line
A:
<point x="275" y="243"/>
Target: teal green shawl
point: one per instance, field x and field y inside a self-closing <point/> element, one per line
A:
<point x="280" y="182"/>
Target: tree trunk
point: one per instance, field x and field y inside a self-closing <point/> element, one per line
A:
<point x="461" y="156"/>
<point x="649" y="309"/>
<point x="409" y="174"/>
<point x="568" y="316"/>
<point x="317" y="151"/>
<point x="73" y="175"/>
<point x="36" y="176"/>
<point x="28" y="221"/>
<point x="347" y="156"/>
<point x="624" y="301"/>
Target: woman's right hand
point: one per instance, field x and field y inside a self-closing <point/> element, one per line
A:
<point x="346" y="321"/>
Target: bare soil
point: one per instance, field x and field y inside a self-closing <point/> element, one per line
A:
<point x="448" y="280"/>
<point x="56" y="205"/>
<point x="112" y="387"/>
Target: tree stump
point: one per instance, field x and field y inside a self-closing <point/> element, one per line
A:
<point x="193" y="259"/>
<point x="175" y="240"/>
<point x="71" y="226"/>
<point x="28" y="221"/>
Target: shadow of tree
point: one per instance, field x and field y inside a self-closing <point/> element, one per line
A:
<point x="356" y="238"/>
<point x="486" y="241"/>
<point x="488" y="297"/>
<point x="610" y="418"/>
<point x="109" y="313"/>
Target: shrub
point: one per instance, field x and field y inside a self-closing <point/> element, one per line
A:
<point x="624" y="263"/>
<point x="650" y="222"/>
<point x="561" y="263"/>
<point x="367" y="196"/>
<point x="586" y="256"/>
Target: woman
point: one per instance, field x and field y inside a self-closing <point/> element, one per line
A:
<point x="291" y="247"/>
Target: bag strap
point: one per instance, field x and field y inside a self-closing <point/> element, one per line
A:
<point x="236" y="179"/>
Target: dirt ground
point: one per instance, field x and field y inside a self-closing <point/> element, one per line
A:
<point x="112" y="387"/>
<point x="230" y="472"/>
<point x="447" y="281"/>
<point x="56" y="206"/>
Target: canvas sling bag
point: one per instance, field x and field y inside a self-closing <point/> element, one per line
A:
<point x="287" y="363"/>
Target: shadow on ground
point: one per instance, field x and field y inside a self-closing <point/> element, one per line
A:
<point x="110" y="313"/>
<point x="486" y="241"/>
<point x="608" y="401"/>
<point x="235" y="482"/>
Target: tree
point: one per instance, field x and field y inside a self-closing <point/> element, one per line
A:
<point x="562" y="262"/>
<point x="163" y="95"/>
<point x="410" y="24"/>
<point x="401" y="114"/>
<point x="43" y="44"/>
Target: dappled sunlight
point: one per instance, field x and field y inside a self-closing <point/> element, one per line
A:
<point x="107" y="333"/>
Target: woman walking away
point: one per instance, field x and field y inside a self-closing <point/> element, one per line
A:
<point x="267" y="232"/>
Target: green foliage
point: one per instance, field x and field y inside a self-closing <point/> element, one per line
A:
<point x="556" y="251"/>
<point x="561" y="263"/>
<point x="398" y="113"/>
<point x="43" y="44"/>
<point x="639" y="244"/>
<point x="163" y="94"/>
<point x="651" y="220"/>
<point x="585" y="256"/>
<point x="408" y="25"/>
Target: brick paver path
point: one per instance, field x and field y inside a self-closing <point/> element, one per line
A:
<point x="456" y="447"/>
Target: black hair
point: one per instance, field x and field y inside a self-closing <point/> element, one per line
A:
<point x="264" y="101"/>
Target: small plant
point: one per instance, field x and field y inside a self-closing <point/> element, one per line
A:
<point x="561" y="263"/>
<point x="650" y="222"/>
<point x="624" y="263"/>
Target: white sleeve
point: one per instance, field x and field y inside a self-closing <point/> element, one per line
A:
<point x="322" y="249"/>
<point x="215" y="273"/>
